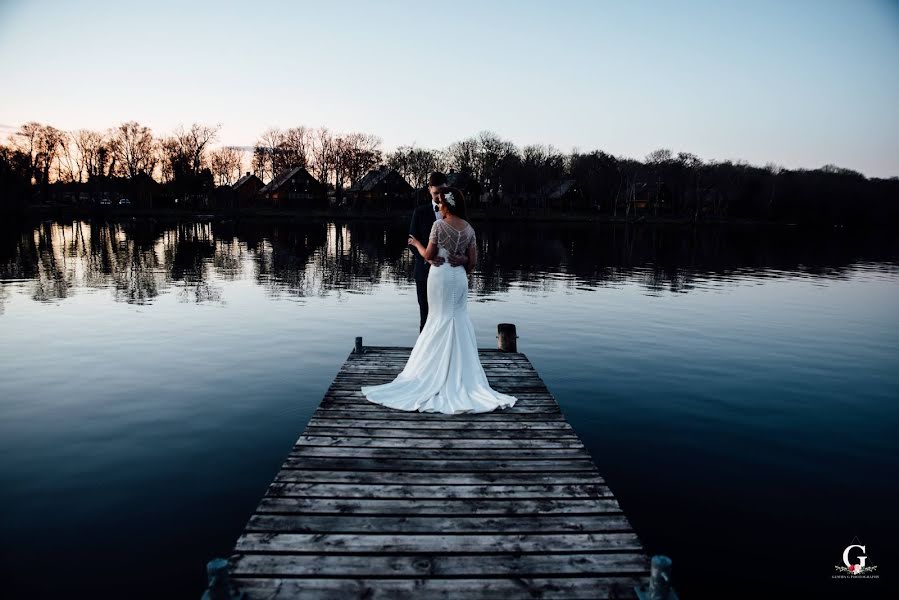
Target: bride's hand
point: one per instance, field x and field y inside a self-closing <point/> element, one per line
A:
<point x="412" y="240"/>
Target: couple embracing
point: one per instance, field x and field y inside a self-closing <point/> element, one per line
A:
<point x="443" y="373"/>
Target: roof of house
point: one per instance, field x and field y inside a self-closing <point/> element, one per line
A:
<point x="244" y="179"/>
<point x="288" y="175"/>
<point x="378" y="177"/>
<point x="558" y="188"/>
<point x="460" y="179"/>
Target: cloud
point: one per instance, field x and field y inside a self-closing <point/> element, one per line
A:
<point x="7" y="132"/>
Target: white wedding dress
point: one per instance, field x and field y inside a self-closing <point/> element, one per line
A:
<point x="443" y="373"/>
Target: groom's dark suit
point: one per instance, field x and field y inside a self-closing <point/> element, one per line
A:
<point x="422" y="220"/>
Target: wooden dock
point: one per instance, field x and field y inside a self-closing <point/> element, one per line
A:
<point x="379" y="503"/>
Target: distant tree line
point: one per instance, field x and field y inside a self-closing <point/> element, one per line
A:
<point x="186" y="163"/>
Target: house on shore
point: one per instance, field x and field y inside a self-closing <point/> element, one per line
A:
<point x="464" y="181"/>
<point x="561" y="194"/>
<point x="468" y="184"/>
<point x="294" y="188"/>
<point x="141" y="191"/>
<point x="246" y="189"/>
<point x="381" y="188"/>
<point x="647" y="198"/>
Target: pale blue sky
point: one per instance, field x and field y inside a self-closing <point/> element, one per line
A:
<point x="798" y="83"/>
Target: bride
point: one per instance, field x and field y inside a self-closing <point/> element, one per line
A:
<point x="443" y="373"/>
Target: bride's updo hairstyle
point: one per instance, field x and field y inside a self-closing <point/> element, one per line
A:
<point x="457" y="206"/>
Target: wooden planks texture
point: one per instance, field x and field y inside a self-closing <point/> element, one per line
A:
<point x="377" y="503"/>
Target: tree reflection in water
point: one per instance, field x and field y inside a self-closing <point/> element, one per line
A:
<point x="142" y="259"/>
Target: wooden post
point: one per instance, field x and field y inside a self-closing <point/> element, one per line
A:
<point x="507" y="340"/>
<point x="358" y="348"/>
<point x="659" y="587"/>
<point x="219" y="584"/>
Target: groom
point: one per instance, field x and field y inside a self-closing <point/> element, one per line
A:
<point x="422" y="220"/>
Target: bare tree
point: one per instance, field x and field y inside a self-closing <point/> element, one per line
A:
<point x="26" y="140"/>
<point x="323" y="154"/>
<point x="264" y="161"/>
<point x="539" y="165"/>
<point x="50" y="145"/>
<point x="70" y="164"/>
<point x="83" y="154"/>
<point x="414" y="164"/>
<point x="193" y="143"/>
<point x="339" y="159"/>
<point x="134" y="149"/>
<point x="492" y="152"/>
<point x="169" y="157"/>
<point x="657" y="157"/>
<point x="225" y="164"/>
<point x="85" y="143"/>
<point x="482" y="156"/>
<point x="42" y="145"/>
<point x="462" y="156"/>
<point x="353" y="155"/>
<point x="184" y="152"/>
<point x="260" y="162"/>
<point x="294" y="148"/>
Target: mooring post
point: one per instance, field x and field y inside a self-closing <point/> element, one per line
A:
<point x="358" y="348"/>
<point x="219" y="585"/>
<point x="506" y="338"/>
<point x="659" y="587"/>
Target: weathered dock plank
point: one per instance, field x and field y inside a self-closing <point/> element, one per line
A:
<point x="418" y="588"/>
<point x="466" y="506"/>
<point x="317" y="565"/>
<point x="376" y="503"/>
<point x="479" y="543"/>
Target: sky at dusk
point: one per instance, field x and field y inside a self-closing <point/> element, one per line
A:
<point x="799" y="83"/>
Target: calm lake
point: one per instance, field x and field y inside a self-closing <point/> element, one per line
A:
<point x="737" y="387"/>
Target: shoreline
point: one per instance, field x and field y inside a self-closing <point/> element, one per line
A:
<point x="118" y="214"/>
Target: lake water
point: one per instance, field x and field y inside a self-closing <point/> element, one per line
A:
<point x="737" y="387"/>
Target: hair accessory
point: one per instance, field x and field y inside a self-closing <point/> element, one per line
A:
<point x="448" y="198"/>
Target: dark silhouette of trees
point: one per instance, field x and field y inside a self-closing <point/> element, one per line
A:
<point x="664" y="185"/>
<point x="414" y="164"/>
<point x="226" y="164"/>
<point x="185" y="163"/>
<point x="96" y="153"/>
<point x="134" y="150"/>
<point x="186" y="150"/>
<point x="279" y="150"/>
<point x="337" y="161"/>
<point x="600" y="178"/>
<point x="354" y="154"/>
<point x="41" y="144"/>
<point x="15" y="178"/>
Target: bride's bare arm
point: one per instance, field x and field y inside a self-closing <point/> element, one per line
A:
<point x="427" y="253"/>
<point x="430" y="252"/>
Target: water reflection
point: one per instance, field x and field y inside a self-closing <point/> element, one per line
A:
<point x="731" y="389"/>
<point x="141" y="260"/>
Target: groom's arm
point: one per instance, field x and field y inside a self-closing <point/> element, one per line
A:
<point x="458" y="260"/>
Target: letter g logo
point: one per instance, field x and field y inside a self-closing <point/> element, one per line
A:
<point x="860" y="558"/>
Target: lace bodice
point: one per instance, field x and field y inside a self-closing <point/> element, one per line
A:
<point x="449" y="239"/>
